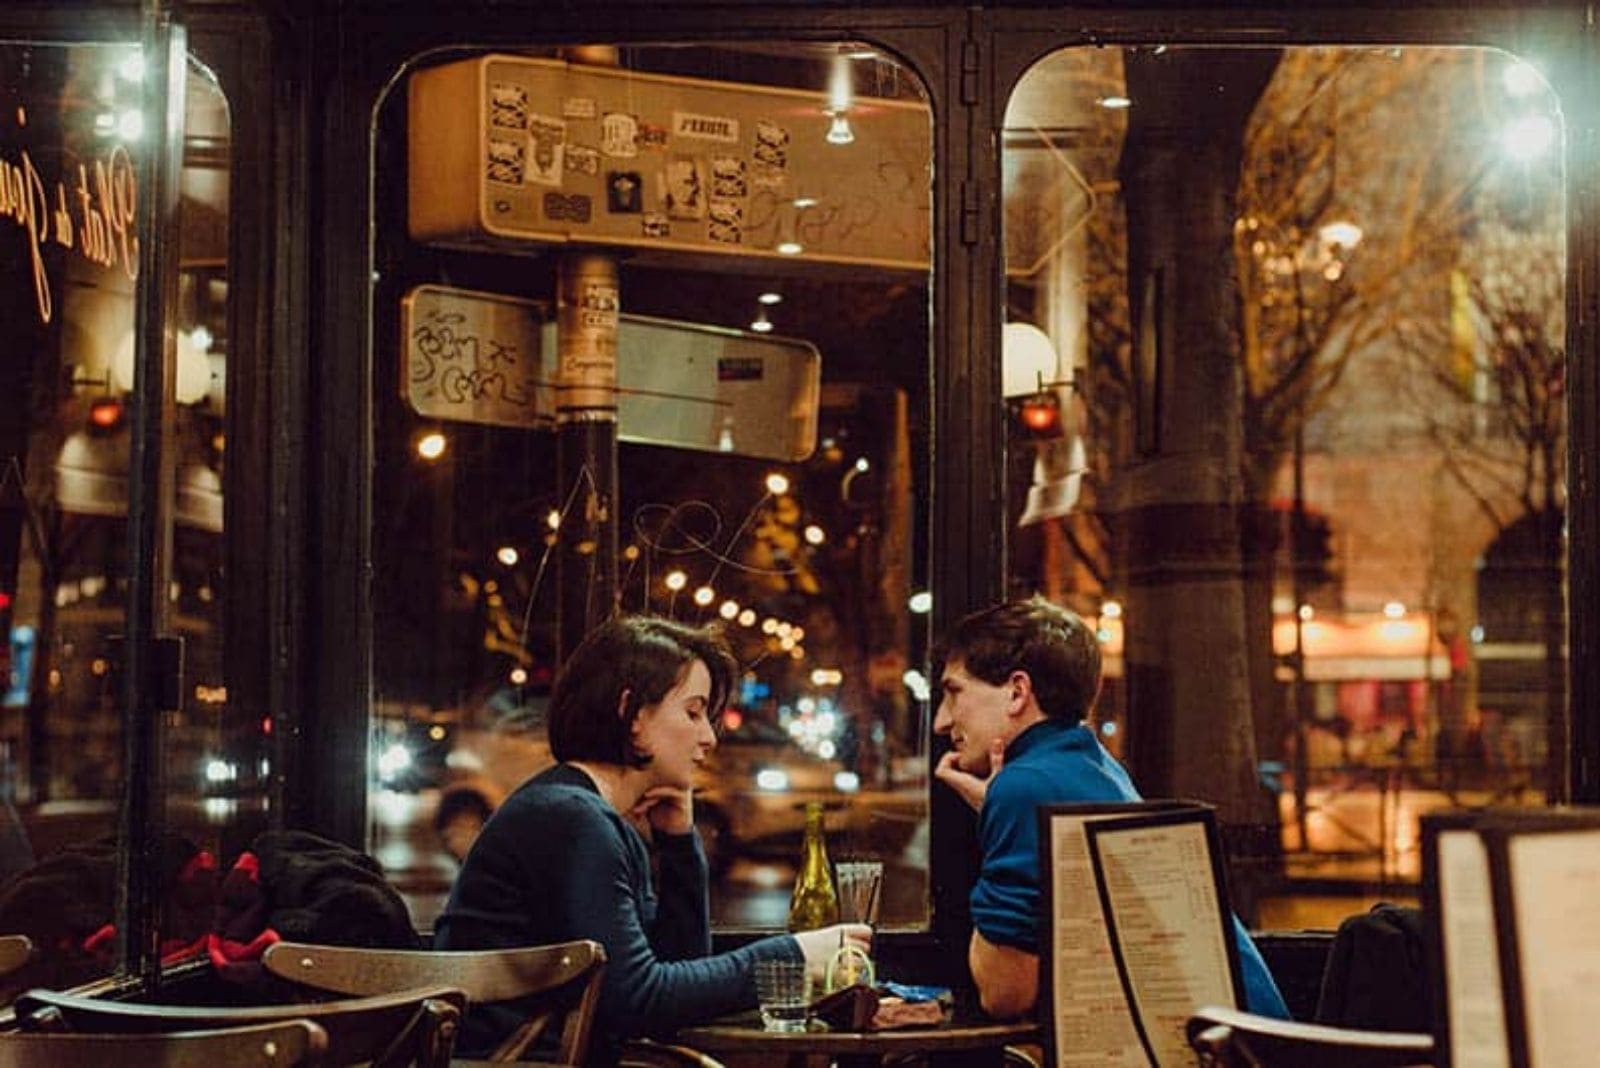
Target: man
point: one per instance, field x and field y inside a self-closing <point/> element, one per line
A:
<point x="1018" y="683"/>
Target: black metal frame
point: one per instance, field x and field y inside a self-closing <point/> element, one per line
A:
<point x="303" y="80"/>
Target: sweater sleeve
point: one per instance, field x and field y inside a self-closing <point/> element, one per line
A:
<point x="683" y="911"/>
<point x="604" y="895"/>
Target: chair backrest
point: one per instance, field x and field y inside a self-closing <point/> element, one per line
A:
<point x="1227" y="1038"/>
<point x="409" y="1027"/>
<point x="15" y="951"/>
<point x="286" y="1044"/>
<point x="559" y="982"/>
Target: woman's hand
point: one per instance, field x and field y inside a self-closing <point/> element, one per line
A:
<point x="820" y="945"/>
<point x="666" y="809"/>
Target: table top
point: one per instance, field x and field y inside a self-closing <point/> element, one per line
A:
<point x="744" y="1034"/>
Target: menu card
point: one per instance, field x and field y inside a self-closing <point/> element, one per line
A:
<point x="1548" y="917"/>
<point x="1138" y="932"/>
<point x="1458" y="909"/>
<point x="1514" y="932"/>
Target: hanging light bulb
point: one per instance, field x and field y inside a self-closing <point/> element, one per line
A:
<point x="839" y="132"/>
<point x="761" y="324"/>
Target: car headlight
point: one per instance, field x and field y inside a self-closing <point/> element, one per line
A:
<point x="393" y="760"/>
<point x="218" y="771"/>
<point x="846" y="782"/>
<point x="773" y="780"/>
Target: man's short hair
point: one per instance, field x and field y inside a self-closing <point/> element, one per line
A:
<point x="1053" y="645"/>
<point x="623" y="665"/>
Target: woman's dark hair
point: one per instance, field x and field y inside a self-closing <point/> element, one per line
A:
<point x="622" y="666"/>
<point x="1053" y="645"/>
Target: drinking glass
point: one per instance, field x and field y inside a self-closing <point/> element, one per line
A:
<point x="781" y="993"/>
<point x="860" y="890"/>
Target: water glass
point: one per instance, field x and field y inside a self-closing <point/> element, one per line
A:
<point x="781" y="993"/>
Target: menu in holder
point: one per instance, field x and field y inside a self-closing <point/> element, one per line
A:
<point x="1544" y="873"/>
<point x="1138" y="931"/>
<point x="1458" y="914"/>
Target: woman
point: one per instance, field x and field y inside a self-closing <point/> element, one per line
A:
<point x="565" y="857"/>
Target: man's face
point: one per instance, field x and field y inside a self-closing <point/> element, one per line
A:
<point x="973" y="713"/>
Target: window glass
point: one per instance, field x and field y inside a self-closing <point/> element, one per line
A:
<point x="69" y="253"/>
<point x="1285" y="382"/>
<point x="763" y="213"/>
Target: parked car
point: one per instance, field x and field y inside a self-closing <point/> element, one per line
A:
<point x="750" y="798"/>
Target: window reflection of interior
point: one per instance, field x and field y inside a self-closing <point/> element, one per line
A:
<point x="805" y="545"/>
<point x="65" y="438"/>
<point x="1397" y="325"/>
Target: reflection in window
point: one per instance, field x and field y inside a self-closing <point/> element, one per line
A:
<point x="1385" y="402"/>
<point x="768" y="223"/>
<point x="68" y="146"/>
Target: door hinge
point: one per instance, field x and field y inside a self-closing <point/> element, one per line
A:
<point x="969" y="72"/>
<point x="969" y="213"/>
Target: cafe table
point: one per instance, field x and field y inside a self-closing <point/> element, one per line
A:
<point x="959" y="1040"/>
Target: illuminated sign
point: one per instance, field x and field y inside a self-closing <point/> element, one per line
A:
<point x="89" y="211"/>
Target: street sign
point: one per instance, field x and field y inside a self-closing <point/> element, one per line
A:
<point x="508" y="150"/>
<point x="486" y="358"/>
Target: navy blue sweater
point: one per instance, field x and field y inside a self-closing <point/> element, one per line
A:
<point x="556" y="862"/>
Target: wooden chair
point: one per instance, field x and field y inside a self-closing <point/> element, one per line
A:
<point x="409" y="1027"/>
<point x="15" y="951"/>
<point x="1227" y="1038"/>
<point x="287" y="1044"/>
<point x="555" y="985"/>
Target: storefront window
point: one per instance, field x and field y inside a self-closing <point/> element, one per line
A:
<point x="1285" y="373"/>
<point x="70" y="136"/>
<point x="753" y="222"/>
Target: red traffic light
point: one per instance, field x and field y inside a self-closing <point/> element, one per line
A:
<point x="105" y="413"/>
<point x="1040" y="414"/>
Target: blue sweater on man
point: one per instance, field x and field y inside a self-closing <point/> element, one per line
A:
<point x="1053" y="763"/>
<point x="556" y="862"/>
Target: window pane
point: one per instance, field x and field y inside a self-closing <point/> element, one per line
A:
<point x="68" y="144"/>
<point x="1286" y="383"/>
<point x="766" y="207"/>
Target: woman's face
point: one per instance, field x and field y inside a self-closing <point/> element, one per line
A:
<point x="676" y="731"/>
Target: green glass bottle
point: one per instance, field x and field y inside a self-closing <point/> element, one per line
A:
<point x="815" y="902"/>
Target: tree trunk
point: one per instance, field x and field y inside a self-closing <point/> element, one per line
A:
<point x="1191" y="731"/>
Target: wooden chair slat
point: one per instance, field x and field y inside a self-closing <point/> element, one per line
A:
<point x="285" y="1044"/>
<point x="412" y="1026"/>
<point x="554" y="983"/>
<point x="1228" y="1038"/>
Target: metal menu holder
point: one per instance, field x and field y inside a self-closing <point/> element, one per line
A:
<point x="1138" y="932"/>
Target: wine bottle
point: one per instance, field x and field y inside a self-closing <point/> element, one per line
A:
<point x="815" y="902"/>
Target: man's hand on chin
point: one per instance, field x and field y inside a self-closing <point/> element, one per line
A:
<point x="971" y="788"/>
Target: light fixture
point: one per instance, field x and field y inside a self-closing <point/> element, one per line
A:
<point x="1528" y="137"/>
<point x="920" y="603"/>
<point x="507" y="555"/>
<point x="761" y="324"/>
<point x="777" y="483"/>
<point x="806" y="202"/>
<point x="1394" y="610"/>
<point x="1115" y="103"/>
<point x="728" y="609"/>
<point x="431" y="445"/>
<point x="770" y="299"/>
<point x="1521" y="79"/>
<point x="815" y="535"/>
<point x="1341" y="232"/>
<point x="676" y="580"/>
<point x="839" y="132"/>
<point x="704" y="596"/>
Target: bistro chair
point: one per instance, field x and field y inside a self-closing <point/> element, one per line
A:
<point x="557" y="985"/>
<point x="411" y="1027"/>
<point x="286" y="1044"/>
<point x="1228" y="1038"/>
<point x="15" y="951"/>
